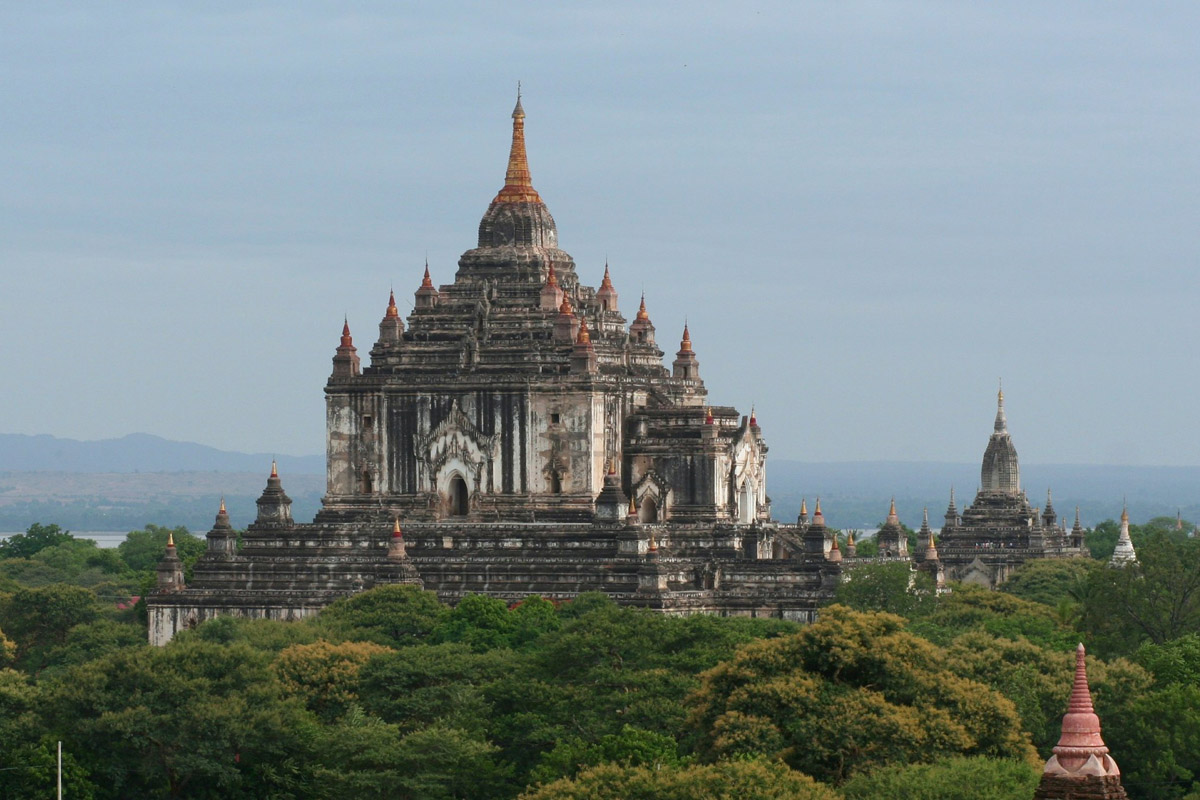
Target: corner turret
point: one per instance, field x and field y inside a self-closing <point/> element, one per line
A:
<point x="345" y="361"/>
<point x="274" y="506"/>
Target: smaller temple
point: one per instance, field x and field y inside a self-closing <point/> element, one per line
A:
<point x="1081" y="768"/>
<point x="1124" y="553"/>
<point x="1000" y="530"/>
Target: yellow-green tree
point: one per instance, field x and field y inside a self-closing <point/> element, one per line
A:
<point x="850" y="692"/>
<point x="324" y="674"/>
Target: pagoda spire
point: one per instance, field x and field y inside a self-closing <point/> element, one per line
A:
<point x="518" y="185"/>
<point x="1081" y="765"/>
<point x="1001" y="420"/>
<point x="1124" y="552"/>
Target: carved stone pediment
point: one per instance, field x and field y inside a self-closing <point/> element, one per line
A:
<point x="455" y="439"/>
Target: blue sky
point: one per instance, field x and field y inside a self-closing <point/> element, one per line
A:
<point x="868" y="211"/>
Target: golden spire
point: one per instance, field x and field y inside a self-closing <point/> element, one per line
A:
<point x="274" y="469"/>
<point x="551" y="278"/>
<point x="396" y="534"/>
<point x="347" y="341"/>
<point x="584" y="337"/>
<point x="565" y="306"/>
<point x="708" y="419"/>
<point x="518" y="185"/>
<point x="426" y="282"/>
<point x="803" y="507"/>
<point x="392" y="311"/>
<point x="685" y="345"/>
<point x="222" y="509"/>
<point x="606" y="281"/>
<point x="170" y="538"/>
<point x="632" y="506"/>
<point x="849" y="538"/>
<point x="641" y="314"/>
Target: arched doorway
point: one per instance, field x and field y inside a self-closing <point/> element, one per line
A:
<point x="458" y="496"/>
<point x="555" y="483"/>
<point x="649" y="510"/>
<point x="368" y="485"/>
<point x="746" y="504"/>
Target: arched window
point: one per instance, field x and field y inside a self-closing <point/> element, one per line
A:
<point x="649" y="510"/>
<point x="555" y="483"/>
<point x="458" y="497"/>
<point x="367" y="484"/>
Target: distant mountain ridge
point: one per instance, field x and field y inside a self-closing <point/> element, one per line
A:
<point x="853" y="494"/>
<point x="138" y="452"/>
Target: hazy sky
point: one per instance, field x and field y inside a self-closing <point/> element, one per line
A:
<point x="868" y="211"/>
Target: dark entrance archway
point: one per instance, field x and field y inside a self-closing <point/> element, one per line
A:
<point x="458" y="496"/>
<point x="649" y="510"/>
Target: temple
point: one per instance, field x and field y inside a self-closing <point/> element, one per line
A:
<point x="519" y="436"/>
<point x="1000" y="530"/>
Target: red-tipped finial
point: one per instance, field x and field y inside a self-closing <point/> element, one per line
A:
<point x="565" y="306"/>
<point x="606" y="281"/>
<point x="708" y="417"/>
<point x="396" y="532"/>
<point x="818" y="517"/>
<point x="274" y="469"/>
<point x="392" y="311"/>
<point x="753" y="418"/>
<point x="551" y="278"/>
<point x="612" y="466"/>
<point x="426" y="282"/>
<point x="347" y="341"/>
<point x="685" y="344"/>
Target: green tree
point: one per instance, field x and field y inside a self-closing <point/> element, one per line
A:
<point x="744" y="779"/>
<point x="852" y="691"/>
<point x="970" y="608"/>
<point x="419" y="685"/>
<point x="978" y="778"/>
<point x="394" y="616"/>
<point x="1155" y="600"/>
<point x="190" y="719"/>
<point x="142" y="550"/>
<point x="324" y="674"/>
<point x="41" y="617"/>
<point x="893" y="587"/>
<point x="1176" y="661"/>
<point x="36" y="538"/>
<point x="1050" y="581"/>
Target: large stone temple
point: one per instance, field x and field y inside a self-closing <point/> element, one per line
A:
<point x="1000" y="530"/>
<point x="518" y="436"/>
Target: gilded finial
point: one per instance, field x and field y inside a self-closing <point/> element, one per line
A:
<point x="565" y="306"/>
<point x="551" y="277"/>
<point x="518" y="185"/>
<point x="347" y="340"/>
<point x="803" y="507"/>
<point x="396" y="533"/>
<point x="274" y="469"/>
<point x="392" y="311"/>
<point x="584" y="336"/>
<point x="708" y="418"/>
<point x="686" y="343"/>
<point x="170" y="538"/>
<point x="221" y="510"/>
<point x="641" y="312"/>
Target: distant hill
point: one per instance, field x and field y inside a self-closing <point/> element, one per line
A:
<point x="138" y="452"/>
<point x="856" y="494"/>
<point x="120" y="483"/>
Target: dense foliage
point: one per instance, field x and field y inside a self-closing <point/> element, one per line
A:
<point x="895" y="692"/>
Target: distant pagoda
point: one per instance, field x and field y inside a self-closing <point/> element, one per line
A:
<point x="1000" y="530"/>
